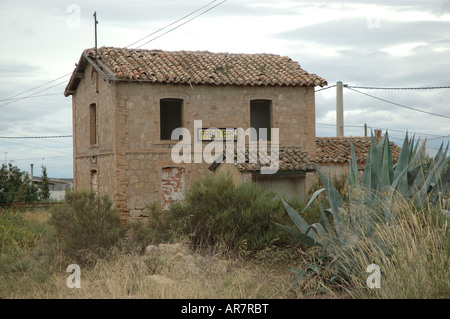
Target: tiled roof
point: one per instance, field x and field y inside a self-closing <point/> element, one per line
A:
<point x="202" y="67"/>
<point x="290" y="159"/>
<point x="330" y="150"/>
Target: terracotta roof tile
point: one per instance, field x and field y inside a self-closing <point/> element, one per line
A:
<point x="203" y="67"/>
<point x="290" y="159"/>
<point x="331" y="150"/>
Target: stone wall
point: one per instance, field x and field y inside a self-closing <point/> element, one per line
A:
<point x="131" y="158"/>
<point x="99" y="157"/>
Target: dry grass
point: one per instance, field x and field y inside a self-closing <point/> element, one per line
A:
<point x="165" y="271"/>
<point x="40" y="216"/>
<point x="168" y="271"/>
<point x="413" y="254"/>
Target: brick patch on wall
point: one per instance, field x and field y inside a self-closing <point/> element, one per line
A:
<point x="172" y="186"/>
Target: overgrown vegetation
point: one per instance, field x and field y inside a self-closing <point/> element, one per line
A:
<point x="217" y="213"/>
<point x="229" y="241"/>
<point x="373" y="223"/>
<point x="86" y="224"/>
<point x="44" y="186"/>
<point x="16" y="186"/>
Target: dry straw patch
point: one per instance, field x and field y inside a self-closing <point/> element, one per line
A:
<point x="170" y="271"/>
<point x="413" y="253"/>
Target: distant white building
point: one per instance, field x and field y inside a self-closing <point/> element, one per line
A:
<point x="57" y="186"/>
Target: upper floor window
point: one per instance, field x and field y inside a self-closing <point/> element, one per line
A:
<point x="260" y="119"/>
<point x="93" y="124"/>
<point x="170" y="117"/>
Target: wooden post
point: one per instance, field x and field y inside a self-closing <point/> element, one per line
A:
<point x="365" y="129"/>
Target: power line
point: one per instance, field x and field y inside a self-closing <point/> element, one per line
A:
<point x="436" y="138"/>
<point x="170" y="24"/>
<point x="329" y="87"/>
<point x="326" y="124"/>
<point x="400" y="131"/>
<point x="31" y="95"/>
<point x="209" y="9"/>
<point x="398" y="104"/>
<point x="399" y="88"/>
<point x="37" y="158"/>
<point x="35" y="88"/>
<point x="26" y="137"/>
<point x="390" y="130"/>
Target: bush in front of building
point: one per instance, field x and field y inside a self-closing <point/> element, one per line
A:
<point x="217" y="213"/>
<point x="87" y="224"/>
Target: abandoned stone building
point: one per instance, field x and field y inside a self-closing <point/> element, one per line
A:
<point x="127" y="102"/>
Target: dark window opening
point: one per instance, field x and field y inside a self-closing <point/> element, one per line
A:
<point x="93" y="124"/>
<point x="260" y="119"/>
<point x="170" y="116"/>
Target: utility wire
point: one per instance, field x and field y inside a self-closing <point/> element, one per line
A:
<point x="31" y="95"/>
<point x="201" y="13"/>
<point x="36" y="158"/>
<point x="401" y="105"/>
<point x="35" y="88"/>
<point x="398" y="88"/>
<point x="329" y="87"/>
<point x="326" y="124"/>
<point x="170" y="24"/>
<point x="23" y="137"/>
<point x="390" y="130"/>
<point x="436" y="138"/>
<point x="400" y="131"/>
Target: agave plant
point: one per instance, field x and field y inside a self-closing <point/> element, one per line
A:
<point x="374" y="194"/>
<point x="371" y="198"/>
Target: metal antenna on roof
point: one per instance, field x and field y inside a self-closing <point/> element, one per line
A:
<point x="96" y="22"/>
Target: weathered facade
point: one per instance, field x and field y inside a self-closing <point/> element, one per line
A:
<point x="125" y="101"/>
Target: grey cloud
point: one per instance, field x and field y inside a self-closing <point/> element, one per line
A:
<point x="357" y="33"/>
<point x="16" y="69"/>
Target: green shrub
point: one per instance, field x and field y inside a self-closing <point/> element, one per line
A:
<point x="217" y="213"/>
<point x="86" y="223"/>
<point x="15" y="186"/>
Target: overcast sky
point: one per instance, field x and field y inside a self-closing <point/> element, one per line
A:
<point x="403" y="43"/>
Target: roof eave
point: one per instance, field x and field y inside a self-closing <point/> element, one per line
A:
<point x="80" y="68"/>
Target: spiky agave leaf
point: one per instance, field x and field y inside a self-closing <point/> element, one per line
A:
<point x="402" y="163"/>
<point x="387" y="170"/>
<point x="337" y="199"/>
<point x="310" y="239"/>
<point x="434" y="174"/>
<point x="375" y="162"/>
<point x="353" y="173"/>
